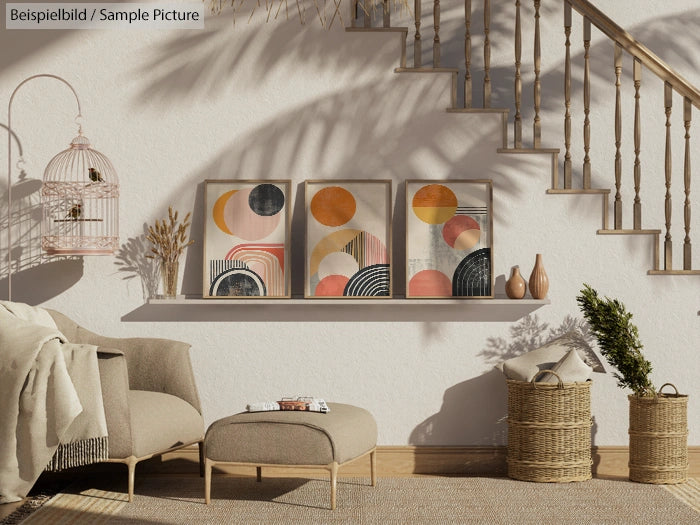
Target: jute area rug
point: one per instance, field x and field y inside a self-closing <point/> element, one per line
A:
<point x="433" y="500"/>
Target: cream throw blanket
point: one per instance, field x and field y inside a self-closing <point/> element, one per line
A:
<point x="50" y="395"/>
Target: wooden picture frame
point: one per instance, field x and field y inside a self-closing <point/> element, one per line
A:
<point x="348" y="239"/>
<point x="449" y="239"/>
<point x="246" y="239"/>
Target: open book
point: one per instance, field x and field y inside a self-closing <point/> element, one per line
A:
<point x="308" y="404"/>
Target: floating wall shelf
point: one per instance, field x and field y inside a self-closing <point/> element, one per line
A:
<point x="196" y="309"/>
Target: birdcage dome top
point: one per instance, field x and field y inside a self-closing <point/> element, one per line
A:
<point x="83" y="164"/>
<point x="80" y="142"/>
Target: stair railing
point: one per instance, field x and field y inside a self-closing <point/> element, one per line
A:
<point x="643" y="58"/>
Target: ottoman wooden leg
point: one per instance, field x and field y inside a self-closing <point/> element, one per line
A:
<point x="373" y="466"/>
<point x="334" y="478"/>
<point x="258" y="474"/>
<point x="207" y="480"/>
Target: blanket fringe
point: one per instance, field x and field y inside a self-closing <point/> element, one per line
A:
<point x="77" y="453"/>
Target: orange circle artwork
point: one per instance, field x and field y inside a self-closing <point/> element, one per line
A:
<point x="333" y="206"/>
<point x="434" y="203"/>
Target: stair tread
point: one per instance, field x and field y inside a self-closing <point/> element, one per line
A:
<point x="528" y="150"/>
<point x="426" y="70"/>
<point x="673" y="272"/>
<point x="578" y="191"/>
<point x="629" y="232"/>
<point x="477" y="110"/>
<point x="376" y="29"/>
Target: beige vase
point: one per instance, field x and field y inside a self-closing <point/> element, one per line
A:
<point x="515" y="285"/>
<point x="539" y="282"/>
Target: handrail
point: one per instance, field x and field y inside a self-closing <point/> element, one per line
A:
<point x="650" y="60"/>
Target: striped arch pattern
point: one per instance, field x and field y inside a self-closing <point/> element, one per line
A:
<point x="265" y="260"/>
<point x="233" y="278"/>
<point x="472" y="277"/>
<point x="371" y="281"/>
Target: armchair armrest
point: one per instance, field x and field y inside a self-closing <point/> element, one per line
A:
<point x="115" y="388"/>
<point x="156" y="365"/>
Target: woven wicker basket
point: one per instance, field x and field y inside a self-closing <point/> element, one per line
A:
<point x="549" y="430"/>
<point x="658" y="429"/>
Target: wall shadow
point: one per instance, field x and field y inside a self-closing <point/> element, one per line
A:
<point x="19" y="45"/>
<point x="132" y="263"/>
<point x="473" y="413"/>
<point x="35" y="277"/>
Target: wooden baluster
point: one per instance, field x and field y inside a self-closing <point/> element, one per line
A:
<point x="353" y="13"/>
<point x="586" y="103"/>
<point x="467" y="54"/>
<point x="637" y="74"/>
<point x="687" y="248"/>
<point x="487" y="54"/>
<point x="436" y="38"/>
<point x="618" y="138"/>
<point x="417" y="59"/>
<point x="537" y="125"/>
<point x="518" y="122"/>
<point x="567" y="96"/>
<point x="668" y="248"/>
<point x="387" y="13"/>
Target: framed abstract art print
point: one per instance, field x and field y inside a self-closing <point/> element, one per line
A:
<point x="449" y="238"/>
<point x="246" y="239"/>
<point x="348" y="238"/>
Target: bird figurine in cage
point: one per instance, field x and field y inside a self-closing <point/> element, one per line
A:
<point x="94" y="175"/>
<point x="75" y="212"/>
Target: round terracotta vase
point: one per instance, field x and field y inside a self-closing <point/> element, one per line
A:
<point x="515" y="285"/>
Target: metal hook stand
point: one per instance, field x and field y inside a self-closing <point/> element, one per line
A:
<point x="9" y="167"/>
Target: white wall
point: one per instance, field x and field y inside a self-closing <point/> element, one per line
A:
<point x="282" y="100"/>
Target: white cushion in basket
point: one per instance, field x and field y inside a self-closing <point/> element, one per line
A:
<point x="523" y="367"/>
<point x="570" y="368"/>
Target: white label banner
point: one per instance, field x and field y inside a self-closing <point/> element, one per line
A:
<point x="104" y="16"/>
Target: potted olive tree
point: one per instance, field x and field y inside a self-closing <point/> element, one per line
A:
<point x="658" y="422"/>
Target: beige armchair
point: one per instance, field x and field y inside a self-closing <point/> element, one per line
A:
<point x="150" y="398"/>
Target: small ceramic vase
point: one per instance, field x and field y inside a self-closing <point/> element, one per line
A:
<point x="539" y="282"/>
<point x="515" y="286"/>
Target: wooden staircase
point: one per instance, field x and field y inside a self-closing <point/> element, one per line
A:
<point x="624" y="43"/>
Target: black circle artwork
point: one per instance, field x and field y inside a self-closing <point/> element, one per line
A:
<point x="266" y="199"/>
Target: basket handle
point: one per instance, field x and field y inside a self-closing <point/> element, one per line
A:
<point x="668" y="384"/>
<point x="560" y="384"/>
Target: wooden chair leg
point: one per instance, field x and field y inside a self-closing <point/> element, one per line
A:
<point x="131" y="465"/>
<point x="207" y="480"/>
<point x="258" y="474"/>
<point x="373" y="466"/>
<point x="334" y="479"/>
<point x="201" y="458"/>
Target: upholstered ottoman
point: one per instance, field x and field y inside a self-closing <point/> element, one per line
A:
<point x="292" y="438"/>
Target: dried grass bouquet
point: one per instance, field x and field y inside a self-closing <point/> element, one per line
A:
<point x="169" y="238"/>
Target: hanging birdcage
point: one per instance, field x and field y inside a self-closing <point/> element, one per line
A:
<point x="80" y="196"/>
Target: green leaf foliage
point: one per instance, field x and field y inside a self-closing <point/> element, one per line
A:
<point x="618" y="339"/>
